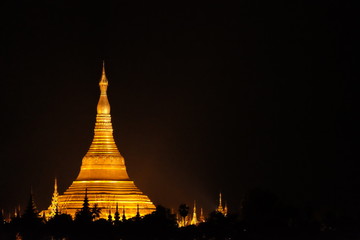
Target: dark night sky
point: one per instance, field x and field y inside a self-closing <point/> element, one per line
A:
<point x="205" y="98"/>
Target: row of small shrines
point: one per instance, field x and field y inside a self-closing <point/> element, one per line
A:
<point x="194" y="220"/>
<point x="191" y="219"/>
<point x="182" y="221"/>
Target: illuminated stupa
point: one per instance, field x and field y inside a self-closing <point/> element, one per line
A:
<point x="220" y="208"/>
<point x="103" y="172"/>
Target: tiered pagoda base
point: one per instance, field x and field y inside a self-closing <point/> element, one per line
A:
<point x="106" y="194"/>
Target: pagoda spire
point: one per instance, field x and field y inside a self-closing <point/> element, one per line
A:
<point x="54" y="202"/>
<point x="31" y="211"/>
<point x="103" y="69"/>
<point x="220" y="200"/>
<point x="201" y="218"/>
<point x="103" y="104"/>
<point x="194" y="220"/>
<point x="220" y="207"/>
<point x="103" y="160"/>
<point x="117" y="215"/>
<point x="55" y="185"/>
<point x="86" y="200"/>
<point x="225" y="209"/>
<point x="123" y="216"/>
<point x="110" y="216"/>
<point x="137" y="211"/>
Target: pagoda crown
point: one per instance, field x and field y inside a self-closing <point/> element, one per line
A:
<point x="103" y="106"/>
<point x="103" y="160"/>
<point x="103" y="142"/>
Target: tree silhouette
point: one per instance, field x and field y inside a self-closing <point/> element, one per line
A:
<point x="264" y="212"/>
<point x="95" y="212"/>
<point x="87" y="214"/>
<point x="2" y="218"/>
<point x="84" y="214"/>
<point x="60" y="226"/>
<point x="183" y="211"/>
<point x="160" y="224"/>
<point x="30" y="224"/>
<point x="31" y="213"/>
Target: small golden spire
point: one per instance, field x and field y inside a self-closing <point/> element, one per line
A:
<point x="110" y="216"/>
<point x="225" y="209"/>
<point x="220" y="207"/>
<point x="103" y="81"/>
<point x="194" y="220"/>
<point x="202" y="218"/>
<point x="137" y="210"/>
<point x="123" y="216"/>
<point x="55" y="185"/>
<point x="103" y="69"/>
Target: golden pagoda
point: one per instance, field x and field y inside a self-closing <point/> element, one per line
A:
<point x="103" y="172"/>
<point x="54" y="207"/>
<point x="194" y="220"/>
<point x="220" y="208"/>
<point x="201" y="218"/>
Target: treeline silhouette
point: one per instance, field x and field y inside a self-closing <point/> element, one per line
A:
<point x="262" y="216"/>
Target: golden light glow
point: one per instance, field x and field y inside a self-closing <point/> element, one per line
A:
<point x="220" y="208"/>
<point x="54" y="202"/>
<point x="103" y="172"/>
<point x="194" y="220"/>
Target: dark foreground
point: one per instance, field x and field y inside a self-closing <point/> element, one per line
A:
<point x="163" y="225"/>
<point x="260" y="218"/>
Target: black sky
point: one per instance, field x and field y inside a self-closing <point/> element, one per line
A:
<point x="205" y="97"/>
